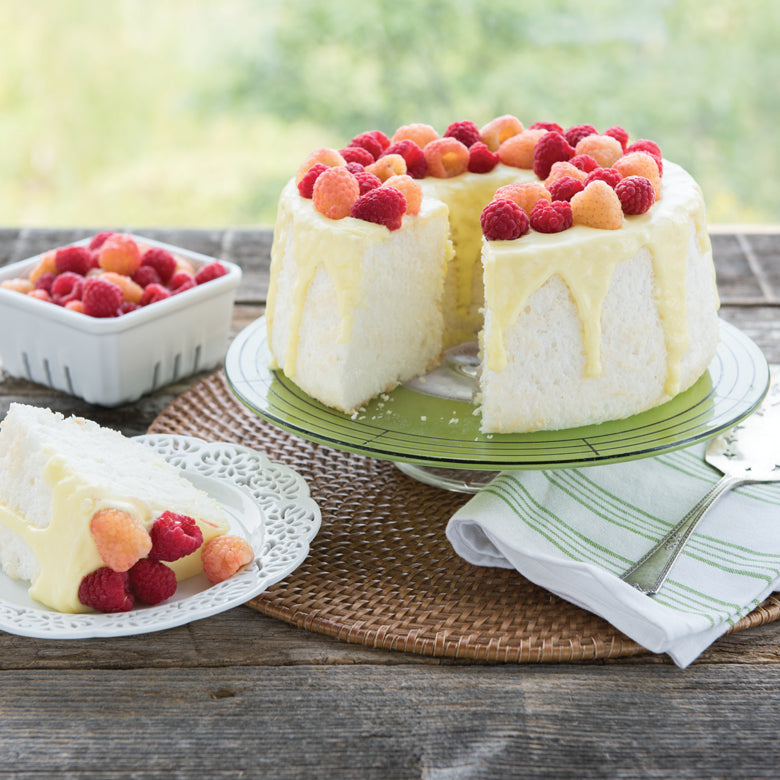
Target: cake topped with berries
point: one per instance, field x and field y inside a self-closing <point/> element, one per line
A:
<point x="94" y="520"/>
<point x="580" y="260"/>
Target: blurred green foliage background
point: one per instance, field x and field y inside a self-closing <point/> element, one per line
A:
<point x="195" y="113"/>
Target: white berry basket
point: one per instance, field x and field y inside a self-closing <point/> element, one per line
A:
<point x="116" y="360"/>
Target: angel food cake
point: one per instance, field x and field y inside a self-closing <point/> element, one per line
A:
<point x="77" y="499"/>
<point x="579" y="260"/>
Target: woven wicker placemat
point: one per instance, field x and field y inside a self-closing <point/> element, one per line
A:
<point x="381" y="572"/>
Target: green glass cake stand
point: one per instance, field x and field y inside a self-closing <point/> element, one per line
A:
<point x="430" y="427"/>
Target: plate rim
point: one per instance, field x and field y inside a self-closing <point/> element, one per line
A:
<point x="749" y="351"/>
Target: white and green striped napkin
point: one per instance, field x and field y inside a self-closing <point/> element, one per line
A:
<point x="573" y="531"/>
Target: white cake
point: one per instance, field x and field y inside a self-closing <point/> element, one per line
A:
<point x="55" y="474"/>
<point x="576" y="327"/>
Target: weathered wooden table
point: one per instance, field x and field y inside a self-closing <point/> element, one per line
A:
<point x="242" y="694"/>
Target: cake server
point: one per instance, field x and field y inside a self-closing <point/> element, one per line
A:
<point x="748" y="453"/>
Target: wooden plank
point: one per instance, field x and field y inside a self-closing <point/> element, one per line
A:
<point x="365" y="722"/>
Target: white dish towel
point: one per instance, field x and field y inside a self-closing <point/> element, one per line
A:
<point x="573" y="531"/>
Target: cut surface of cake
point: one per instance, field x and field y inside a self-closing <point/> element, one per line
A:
<point x="597" y="309"/>
<point x="56" y="473"/>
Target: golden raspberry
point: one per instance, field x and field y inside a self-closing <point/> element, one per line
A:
<point x="597" y="206"/>
<point x="120" y="538"/>
<point x="525" y="194"/>
<point x="446" y="157"/>
<point x="562" y="168"/>
<point x="223" y="556"/>
<point x="75" y="305"/>
<point x="498" y="130"/>
<point x="47" y="265"/>
<point x="410" y="189"/>
<point x="18" y="285"/>
<point x="387" y="166"/>
<point x="420" y="133"/>
<point x="325" y="155"/>
<point x="640" y="164"/>
<point x="129" y="288"/>
<point x="604" y="149"/>
<point x="334" y="192"/>
<point x="518" y="150"/>
<point x="120" y="253"/>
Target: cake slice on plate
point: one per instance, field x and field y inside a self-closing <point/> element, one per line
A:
<point x="57" y="474"/>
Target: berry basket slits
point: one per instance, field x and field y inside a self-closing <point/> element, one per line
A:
<point x="65" y="326"/>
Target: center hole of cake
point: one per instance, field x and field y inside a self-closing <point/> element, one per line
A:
<point x="455" y="378"/>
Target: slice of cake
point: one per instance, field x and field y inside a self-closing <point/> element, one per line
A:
<point x="56" y="474"/>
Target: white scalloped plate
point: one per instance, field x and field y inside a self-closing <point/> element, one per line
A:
<point x="267" y="503"/>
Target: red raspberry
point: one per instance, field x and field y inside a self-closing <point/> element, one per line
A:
<point x="45" y="281"/>
<point x="565" y="188"/>
<point x="146" y="275"/>
<point x="651" y="148"/>
<point x="67" y="286"/>
<point x="416" y="164"/>
<point x="619" y="134"/>
<point x="306" y="184"/>
<point x="382" y="205"/>
<point x="550" y="127"/>
<point x="609" y="175"/>
<point x="552" y="217"/>
<point x="174" y="536"/>
<point x="187" y="284"/>
<point x="354" y="167"/>
<point x="73" y="258"/>
<point x="154" y="293"/>
<point x="223" y="556"/>
<point x="106" y="590"/>
<point x="549" y="149"/>
<point x="503" y="220"/>
<point x="152" y="581"/>
<point x="128" y="306"/>
<point x="636" y="194"/>
<point x="209" y="272"/>
<point x="481" y="159"/>
<point x="161" y="260"/>
<point x="181" y="279"/>
<point x="584" y="162"/>
<point x="466" y="132"/>
<point x="356" y="154"/>
<point x="577" y="132"/>
<point x="367" y="181"/>
<point x="644" y="145"/>
<point x="100" y="239"/>
<point x="101" y="298"/>
<point x="374" y="141"/>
